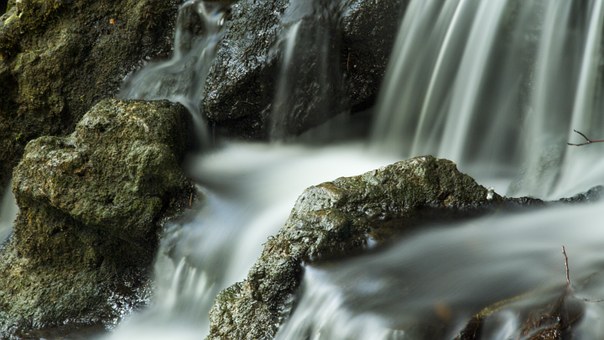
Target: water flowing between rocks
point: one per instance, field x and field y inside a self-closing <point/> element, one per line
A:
<point x="8" y="212"/>
<point x="496" y="86"/>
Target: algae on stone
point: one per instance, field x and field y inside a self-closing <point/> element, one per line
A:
<point x="336" y="219"/>
<point x="90" y="206"/>
<point x="58" y="58"/>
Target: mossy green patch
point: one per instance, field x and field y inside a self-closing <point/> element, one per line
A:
<point x="89" y="206"/>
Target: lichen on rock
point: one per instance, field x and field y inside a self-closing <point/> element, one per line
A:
<point x="58" y="58"/>
<point x="336" y="219"/>
<point x="90" y="206"/>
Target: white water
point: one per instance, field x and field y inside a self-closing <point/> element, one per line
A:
<point x="498" y="86"/>
<point x="309" y="85"/>
<point x="182" y="78"/>
<point x="251" y="190"/>
<point x="495" y="85"/>
<point x="8" y="212"/>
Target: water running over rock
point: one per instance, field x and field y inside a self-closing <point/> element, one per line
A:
<point x="8" y="212"/>
<point x="495" y="85"/>
<point x="498" y="86"/>
<point x="182" y="78"/>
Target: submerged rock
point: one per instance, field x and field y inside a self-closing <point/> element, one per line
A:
<point x="328" y="76"/>
<point x="90" y="206"/>
<point x="58" y="58"/>
<point x="335" y="219"/>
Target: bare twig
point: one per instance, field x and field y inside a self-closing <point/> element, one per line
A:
<point x="566" y="270"/>
<point x="587" y="140"/>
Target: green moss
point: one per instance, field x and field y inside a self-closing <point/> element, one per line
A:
<point x="90" y="202"/>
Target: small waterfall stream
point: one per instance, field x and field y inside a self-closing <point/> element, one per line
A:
<point x="8" y="213"/>
<point x="497" y="86"/>
<point x="182" y="78"/>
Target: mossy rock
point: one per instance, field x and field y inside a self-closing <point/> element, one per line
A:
<point x="336" y="219"/>
<point x="90" y="206"/>
<point x="58" y="58"/>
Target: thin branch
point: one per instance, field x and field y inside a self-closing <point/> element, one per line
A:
<point x="566" y="270"/>
<point x="587" y="140"/>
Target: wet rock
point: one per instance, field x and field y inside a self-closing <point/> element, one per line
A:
<point x="90" y="206"/>
<point x="58" y="58"/>
<point x="336" y="219"/>
<point x="370" y="29"/>
<point x="542" y="315"/>
<point x="592" y="195"/>
<point x="242" y="82"/>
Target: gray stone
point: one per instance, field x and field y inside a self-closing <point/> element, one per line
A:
<point x="241" y="84"/>
<point x="336" y="219"/>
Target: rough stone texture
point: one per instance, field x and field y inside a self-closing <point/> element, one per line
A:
<point x="242" y="81"/>
<point x="335" y="219"/>
<point x="90" y="205"/>
<point x="58" y="58"/>
<point x="370" y="28"/>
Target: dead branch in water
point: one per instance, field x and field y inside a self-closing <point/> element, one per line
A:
<point x="587" y="140"/>
<point x="566" y="270"/>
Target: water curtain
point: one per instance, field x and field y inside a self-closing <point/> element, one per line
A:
<point x="496" y="86"/>
<point x="182" y="78"/>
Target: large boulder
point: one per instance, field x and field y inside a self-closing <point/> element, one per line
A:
<point x="242" y="82"/>
<point x="90" y="207"/>
<point x="58" y="58"/>
<point x="338" y="218"/>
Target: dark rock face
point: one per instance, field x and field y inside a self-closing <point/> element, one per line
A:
<point x="243" y="80"/>
<point x="335" y="219"/>
<point x="59" y="58"/>
<point x="90" y="205"/>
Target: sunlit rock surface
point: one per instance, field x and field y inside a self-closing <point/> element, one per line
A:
<point x="90" y="206"/>
<point x="243" y="80"/>
<point x="58" y="58"/>
<point x="338" y="218"/>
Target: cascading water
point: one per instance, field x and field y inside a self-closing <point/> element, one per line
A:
<point x="495" y="85"/>
<point x="310" y="79"/>
<point x="8" y="212"/>
<point x="182" y="78"/>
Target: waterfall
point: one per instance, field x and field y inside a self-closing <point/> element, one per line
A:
<point x="310" y="86"/>
<point x="8" y="213"/>
<point x="497" y="86"/>
<point x="182" y="78"/>
<point x="447" y="274"/>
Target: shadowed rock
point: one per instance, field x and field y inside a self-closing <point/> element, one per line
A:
<point x="243" y="79"/>
<point x="90" y="206"/>
<point x="335" y="219"/>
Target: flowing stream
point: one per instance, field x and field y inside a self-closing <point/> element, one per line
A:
<point x="8" y="212"/>
<point x="495" y="85"/>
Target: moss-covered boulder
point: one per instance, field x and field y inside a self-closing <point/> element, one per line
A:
<point x="332" y="72"/>
<point x="58" y="58"/>
<point x="90" y="208"/>
<point x="335" y="219"/>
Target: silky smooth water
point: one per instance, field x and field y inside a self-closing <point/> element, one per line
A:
<point x="497" y="86"/>
<point x="182" y="78"/>
<point x="8" y="212"/>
